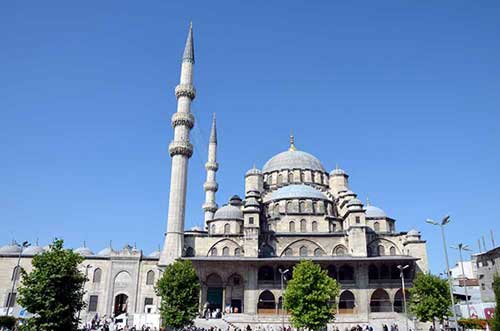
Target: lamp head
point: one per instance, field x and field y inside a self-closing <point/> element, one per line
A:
<point x="431" y="222"/>
<point x="446" y="220"/>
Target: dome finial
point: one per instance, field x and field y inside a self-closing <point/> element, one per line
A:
<point x="367" y="201"/>
<point x="292" y="143"/>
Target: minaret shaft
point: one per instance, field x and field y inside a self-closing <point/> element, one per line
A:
<point x="180" y="150"/>
<point x="210" y="186"/>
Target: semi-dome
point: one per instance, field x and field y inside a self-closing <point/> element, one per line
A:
<point x="354" y="202"/>
<point x="293" y="159"/>
<point x="228" y="212"/>
<point x="372" y="211"/>
<point x="297" y="191"/>
<point x="33" y="250"/>
<point x="12" y="248"/>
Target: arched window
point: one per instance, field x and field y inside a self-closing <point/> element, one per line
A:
<point x="289" y="207"/>
<point x="266" y="273"/>
<point x="288" y="252"/>
<point x="303" y="226"/>
<point x="392" y="250"/>
<point x="213" y="252"/>
<point x="290" y="177"/>
<point x="381" y="250"/>
<point x="16" y="273"/>
<point x="347" y="303"/>
<point x="303" y="251"/>
<point x="332" y="271"/>
<point x="314" y="225"/>
<point x="369" y="251"/>
<point x="302" y="207"/>
<point x="97" y="276"/>
<point x="399" y="301"/>
<point x="318" y="252"/>
<point x="150" y="277"/>
<point x="291" y="226"/>
<point x="189" y="252"/>
<point x="266" y="251"/>
<point x="225" y="251"/>
<point x="302" y="176"/>
<point x="334" y="227"/>
<point x="280" y="179"/>
<point x="346" y="274"/>
<point x="212" y="228"/>
<point x="372" y="272"/>
<point x="226" y="228"/>
<point x="380" y="302"/>
<point x="376" y="227"/>
<point x="340" y="250"/>
<point x="237" y="251"/>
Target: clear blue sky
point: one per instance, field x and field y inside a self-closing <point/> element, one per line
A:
<point x="404" y="95"/>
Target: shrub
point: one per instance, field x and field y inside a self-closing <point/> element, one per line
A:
<point x="7" y="322"/>
<point x="472" y="323"/>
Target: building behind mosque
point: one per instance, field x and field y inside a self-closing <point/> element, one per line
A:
<point x="293" y="209"/>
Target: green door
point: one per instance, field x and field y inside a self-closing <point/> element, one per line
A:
<point x="214" y="297"/>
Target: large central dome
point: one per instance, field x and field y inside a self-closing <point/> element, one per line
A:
<point x="293" y="159"/>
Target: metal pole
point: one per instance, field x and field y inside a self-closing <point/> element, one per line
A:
<point x="404" y="298"/>
<point x="282" y="315"/>
<point x="464" y="280"/>
<point x="448" y="276"/>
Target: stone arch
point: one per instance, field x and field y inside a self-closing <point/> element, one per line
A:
<point x="225" y="251"/>
<point x="227" y="228"/>
<point x="290" y="176"/>
<point x="385" y="242"/>
<point x="266" y="303"/>
<point x="399" y="300"/>
<point x="318" y="252"/>
<point x="96" y="278"/>
<point x="122" y="277"/>
<point x="380" y="302"/>
<point x="291" y="226"/>
<point x="150" y="277"/>
<point x="314" y="226"/>
<point x="347" y="302"/>
<point x="312" y="245"/>
<point x="376" y="227"/>
<point x="303" y="225"/>
<point x="303" y="251"/>
<point x="214" y="280"/>
<point x="225" y="240"/>
<point x="392" y="251"/>
<point x="339" y="250"/>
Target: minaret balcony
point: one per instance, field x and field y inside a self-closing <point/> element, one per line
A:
<point x="185" y="90"/>
<point x="186" y="119"/>
<point x="213" y="166"/>
<point x="210" y="186"/>
<point x="180" y="148"/>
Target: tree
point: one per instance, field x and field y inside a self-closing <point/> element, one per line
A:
<point x="179" y="290"/>
<point x="495" y="323"/>
<point x="53" y="290"/>
<point x="430" y="298"/>
<point x="310" y="296"/>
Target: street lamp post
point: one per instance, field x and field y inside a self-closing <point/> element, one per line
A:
<point x="401" y="274"/>
<point x="445" y="221"/>
<point x="462" y="247"/>
<point x="16" y="275"/>
<point x="282" y="272"/>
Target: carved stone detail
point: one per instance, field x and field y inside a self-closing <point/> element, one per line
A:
<point x="180" y="148"/>
<point x="185" y="90"/>
<point x="186" y="119"/>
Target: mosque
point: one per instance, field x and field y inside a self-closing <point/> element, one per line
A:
<point x="293" y="209"/>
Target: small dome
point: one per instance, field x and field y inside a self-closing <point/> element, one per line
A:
<point x="413" y="232"/>
<point x="293" y="159"/>
<point x="296" y="191"/>
<point x="253" y="171"/>
<point x="338" y="172"/>
<point x="155" y="254"/>
<point x="33" y="250"/>
<point x="84" y="251"/>
<point x="251" y="202"/>
<point x="13" y="248"/>
<point x="106" y="252"/>
<point x="235" y="200"/>
<point x="228" y="212"/>
<point x="196" y="228"/>
<point x="372" y="211"/>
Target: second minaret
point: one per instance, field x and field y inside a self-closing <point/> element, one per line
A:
<point x="210" y="186"/>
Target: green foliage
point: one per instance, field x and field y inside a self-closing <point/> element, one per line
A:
<point x="496" y="317"/>
<point x="430" y="297"/>
<point x="7" y="322"/>
<point x="179" y="290"/>
<point x="53" y="291"/>
<point x="309" y="296"/>
<point x="472" y="323"/>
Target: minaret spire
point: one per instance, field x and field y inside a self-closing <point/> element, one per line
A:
<point x="292" y="143"/>
<point x="211" y="186"/>
<point x="180" y="150"/>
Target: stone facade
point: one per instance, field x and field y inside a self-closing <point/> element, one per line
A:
<point x="488" y="265"/>
<point x="293" y="209"/>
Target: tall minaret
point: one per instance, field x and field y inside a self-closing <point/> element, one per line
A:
<point x="210" y="186"/>
<point x="180" y="150"/>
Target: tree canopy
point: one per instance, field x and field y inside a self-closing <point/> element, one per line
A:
<point x="179" y="290"/>
<point x="430" y="298"/>
<point x="310" y="296"/>
<point x="53" y="290"/>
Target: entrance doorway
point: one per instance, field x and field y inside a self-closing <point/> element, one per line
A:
<point x="121" y="303"/>
<point x="214" y="298"/>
